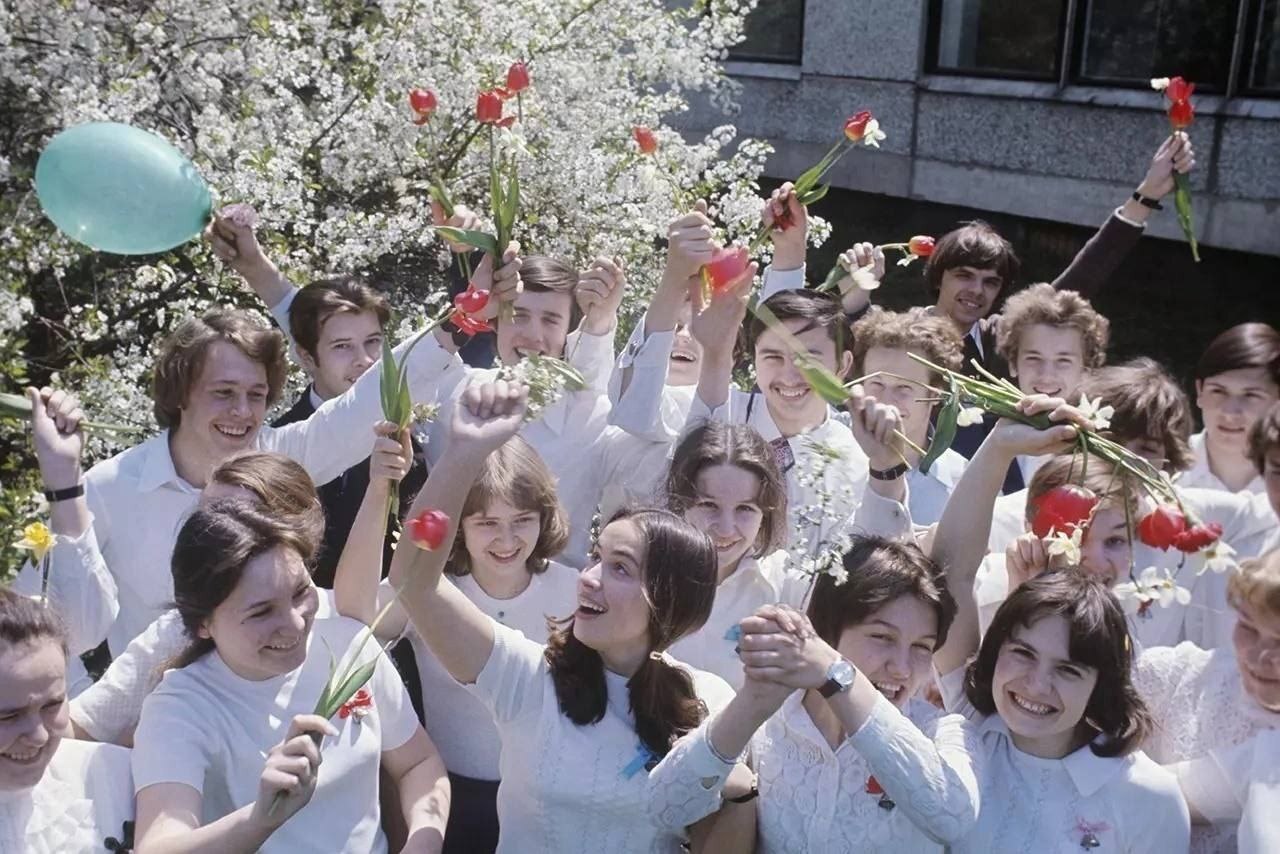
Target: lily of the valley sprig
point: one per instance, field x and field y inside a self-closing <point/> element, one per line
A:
<point x="39" y="540"/>
<point x="1181" y="114"/>
<point x="547" y="378"/>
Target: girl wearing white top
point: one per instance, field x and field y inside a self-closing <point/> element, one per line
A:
<point x="855" y="761"/>
<point x="57" y="796"/>
<point x="582" y="718"/>
<point x="724" y="481"/>
<point x="1204" y="702"/>
<point x="1237" y="380"/>
<point x="511" y="524"/>
<point x="256" y="665"/>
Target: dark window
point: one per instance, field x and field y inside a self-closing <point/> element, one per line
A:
<point x="775" y="33"/>
<point x="1131" y="41"/>
<point x="1263" y="72"/>
<point x="1006" y="38"/>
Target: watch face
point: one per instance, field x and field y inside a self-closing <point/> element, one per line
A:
<point x="842" y="672"/>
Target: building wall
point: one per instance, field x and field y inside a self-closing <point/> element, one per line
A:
<point x="1065" y="153"/>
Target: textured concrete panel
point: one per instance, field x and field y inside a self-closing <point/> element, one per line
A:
<point x="1249" y="160"/>
<point x="878" y="39"/>
<point x="1048" y="138"/>
<point x="867" y="170"/>
<point x="1253" y="226"/>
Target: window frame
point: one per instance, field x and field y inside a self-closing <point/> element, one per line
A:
<point x="763" y="59"/>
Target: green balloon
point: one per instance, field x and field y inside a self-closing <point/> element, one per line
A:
<point x="119" y="189"/>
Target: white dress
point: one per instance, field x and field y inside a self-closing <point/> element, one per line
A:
<point x="1032" y="804"/>
<point x="209" y="729"/>
<point x="1239" y="786"/>
<point x="83" y="800"/>
<point x="569" y="789"/>
<point x="1200" y="706"/>
<point x="813" y="799"/>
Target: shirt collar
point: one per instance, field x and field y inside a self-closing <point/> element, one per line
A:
<point x="316" y="400"/>
<point x="157" y="464"/>
<point x="1088" y="771"/>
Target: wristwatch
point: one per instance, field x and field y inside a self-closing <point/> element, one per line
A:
<point x="890" y="474"/>
<point x="840" y="677"/>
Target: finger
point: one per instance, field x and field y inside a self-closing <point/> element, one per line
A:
<point x="437" y="213"/>
<point x="280" y="781"/>
<point x="387" y="445"/>
<point x="759" y="624"/>
<point x="488" y="393"/>
<point x="309" y="723"/>
<point x="511" y="253"/>
<point x="302" y="749"/>
<point x="766" y="658"/>
<point x="766" y="674"/>
<point x="386" y="428"/>
<point x="862" y="254"/>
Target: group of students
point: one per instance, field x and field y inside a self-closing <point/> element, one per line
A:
<point x="621" y="643"/>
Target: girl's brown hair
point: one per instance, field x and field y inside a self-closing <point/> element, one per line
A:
<point x="1148" y="404"/>
<point x="716" y="443"/>
<point x="24" y="620"/>
<point x="1115" y="717"/>
<point x="281" y="484"/>
<point x="680" y="586"/>
<point x="213" y="547"/>
<point x="516" y="475"/>
<point x="1258" y="584"/>
<point x="880" y="571"/>
<point x="185" y="350"/>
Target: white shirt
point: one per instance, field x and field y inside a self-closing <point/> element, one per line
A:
<point x="1200" y="706"/>
<point x="110" y="708"/>
<point x="753" y="584"/>
<point x="1008" y="520"/>
<point x="569" y="789"/>
<point x="845" y="478"/>
<point x="1126" y="803"/>
<point x="1200" y="475"/>
<point x="459" y="724"/>
<point x="210" y="729"/>
<point x="643" y="403"/>
<point x="813" y="799"/>
<point x="138" y="502"/>
<point x="83" y="799"/>
<point x="927" y="494"/>
<point x="1239" y="786"/>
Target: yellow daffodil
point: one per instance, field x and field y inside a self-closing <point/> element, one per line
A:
<point x="37" y="539"/>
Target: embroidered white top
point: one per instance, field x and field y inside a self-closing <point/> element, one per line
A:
<point x="754" y="583"/>
<point x="1200" y="705"/>
<point x="1200" y="475"/>
<point x="457" y="721"/>
<point x="83" y="799"/>
<point x="110" y="708"/>
<point x="569" y="789"/>
<point x="139" y="502"/>
<point x="1123" y="803"/>
<point x="209" y="729"/>
<point x="814" y="799"/>
<point x="1239" y="786"/>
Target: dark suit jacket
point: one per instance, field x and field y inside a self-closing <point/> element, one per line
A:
<point x="341" y="498"/>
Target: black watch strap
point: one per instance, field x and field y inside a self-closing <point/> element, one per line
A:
<point x="67" y="494"/>
<point x="749" y="796"/>
<point x="890" y="474"/>
<point x="1147" y="202"/>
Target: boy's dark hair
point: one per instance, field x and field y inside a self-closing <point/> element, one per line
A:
<point x="818" y="310"/>
<point x="322" y="299"/>
<point x="974" y="244"/>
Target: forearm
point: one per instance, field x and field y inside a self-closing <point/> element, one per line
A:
<point x="714" y="379"/>
<point x="78" y="584"/>
<point x="730" y="731"/>
<point x="355" y="581"/>
<point x="664" y="309"/>
<point x="268" y="283"/>
<point x="425" y="796"/>
<point x="239" y="831"/>
<point x="730" y="830"/>
<point x="854" y="706"/>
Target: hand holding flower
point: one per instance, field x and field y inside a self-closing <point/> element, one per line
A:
<point x="1175" y="154"/>
<point x="690" y="245"/>
<point x="599" y="295"/>
<point x="788" y="223"/>
<point x="1024" y="559"/>
<point x="55" y="429"/>
<point x="289" y="779"/>
<point x="392" y="455"/>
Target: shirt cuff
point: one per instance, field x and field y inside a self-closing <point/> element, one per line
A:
<point x="781" y="280"/>
<point x="651" y="352"/>
<point x="280" y="311"/>
<point x="700" y="411"/>
<point x="1119" y="214"/>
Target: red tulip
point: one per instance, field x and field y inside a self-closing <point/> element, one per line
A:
<point x="468" y="324"/>
<point x="1181" y="114"/>
<point x="428" y="529"/>
<point x="471" y="301"/>
<point x="489" y="107"/>
<point x="1197" y="537"/>
<point x="1179" y="89"/>
<point x="1161" y="526"/>
<point x="422" y="101"/>
<point x="1064" y="509"/>
<point x="645" y="139"/>
<point x="517" y="78"/>
<point x="725" y="266"/>
<point x="855" y="127"/>
<point x="920" y="246"/>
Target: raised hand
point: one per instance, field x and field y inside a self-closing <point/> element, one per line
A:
<point x="487" y="415"/>
<point x="462" y="217"/>
<point x="1175" y="154"/>
<point x="1015" y="438"/>
<point x="392" y="453"/>
<point x="504" y="285"/>
<point x="1024" y="559"/>
<point x="55" y="429"/>
<point x="778" y="644"/>
<point x="788" y="223"/>
<point x="690" y="244"/>
<point x="716" y="326"/>
<point x="877" y="427"/>
<point x="599" y="294"/>
<point x="233" y="242"/>
<point x="291" y="769"/>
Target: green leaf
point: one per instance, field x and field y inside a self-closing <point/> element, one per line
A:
<point x="441" y="195"/>
<point x="481" y="240"/>
<point x="387" y="379"/>
<point x="825" y="383"/>
<point x="810" y="196"/>
<point x="1182" y="203"/>
<point x="833" y="279"/>
<point x="513" y="200"/>
<point x="944" y="432"/>
<point x="347" y="688"/>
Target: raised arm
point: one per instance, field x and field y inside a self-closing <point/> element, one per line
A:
<point x="961" y="539"/>
<point x="1099" y="258"/>
<point x="599" y="294"/>
<point x="458" y="632"/>
<point x="716" y="328"/>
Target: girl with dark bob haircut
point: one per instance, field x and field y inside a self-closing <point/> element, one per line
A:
<point x="584" y="717"/>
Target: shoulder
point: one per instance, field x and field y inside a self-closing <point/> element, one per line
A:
<point x="1167" y="663"/>
<point x="86" y="761"/>
<point x="125" y="465"/>
<point x="949" y="467"/>
<point x="1151" y="790"/>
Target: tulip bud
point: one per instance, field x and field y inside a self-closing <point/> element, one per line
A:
<point x="422" y="101"/>
<point x="517" y="78"/>
<point x="1159" y="527"/>
<point x="1197" y="537"/>
<point x="428" y="529"/>
<point x="488" y="107"/>
<point x="1063" y="509"/>
<point x="1179" y="89"/>
<point x="1181" y="114"/>
<point x="725" y="266"/>
<point x="855" y="127"/>
<point x="920" y="246"/>
<point x="472" y="300"/>
<point x="645" y="139"/>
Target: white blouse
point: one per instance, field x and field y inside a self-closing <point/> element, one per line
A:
<point x="813" y="799"/>
<point x="753" y="584"/>
<point x="459" y="724"/>
<point x="83" y="800"/>
<point x="1239" y="786"/>
<point x="1202" y="476"/>
<point x="210" y="729"/>
<point x="1199" y="705"/>
<point x="569" y="789"/>
<point x="1122" y="803"/>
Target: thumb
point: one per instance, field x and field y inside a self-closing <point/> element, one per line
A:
<point x="700" y="206"/>
<point x="437" y="213"/>
<point x="485" y="266"/>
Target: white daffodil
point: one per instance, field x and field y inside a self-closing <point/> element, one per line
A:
<point x="1219" y="558"/>
<point x="872" y="135"/>
<point x="1159" y="83"/>
<point x="969" y="416"/>
<point x="1152" y="585"/>
<point x="1099" y="416"/>
<point x="864" y="279"/>
<point x="1058" y="543"/>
